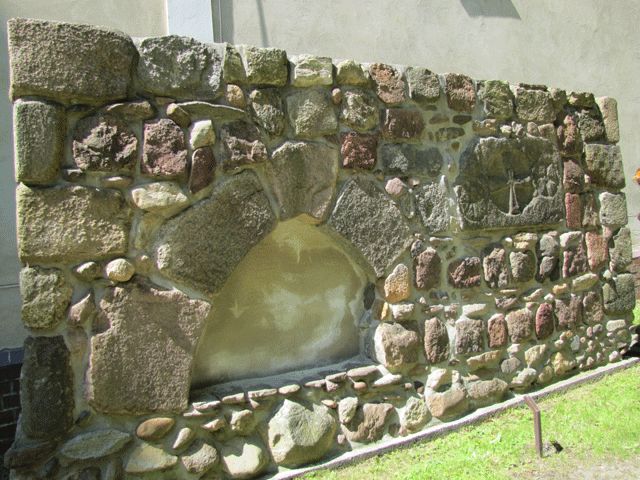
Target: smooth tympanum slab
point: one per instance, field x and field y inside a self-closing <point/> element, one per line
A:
<point x="507" y="183"/>
<point x="202" y="246"/>
<point x="142" y="362"/>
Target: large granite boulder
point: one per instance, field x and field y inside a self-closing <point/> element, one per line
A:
<point x="372" y="223"/>
<point x="300" y="434"/>
<point x="71" y="224"/>
<point x="68" y="62"/>
<point x="142" y="362"/>
<point x="201" y="247"/>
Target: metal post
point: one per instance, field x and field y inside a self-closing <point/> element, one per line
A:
<point x="537" y="424"/>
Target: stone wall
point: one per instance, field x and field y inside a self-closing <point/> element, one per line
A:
<point x="488" y="218"/>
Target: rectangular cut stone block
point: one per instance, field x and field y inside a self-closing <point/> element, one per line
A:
<point x="604" y="165"/>
<point x="39" y="130"/>
<point x="71" y="224"/>
<point x="71" y="63"/>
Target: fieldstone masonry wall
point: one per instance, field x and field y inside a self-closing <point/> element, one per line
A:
<point x="488" y="217"/>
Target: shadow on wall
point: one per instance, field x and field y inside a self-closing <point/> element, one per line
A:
<point x="490" y="8"/>
<point x="223" y="21"/>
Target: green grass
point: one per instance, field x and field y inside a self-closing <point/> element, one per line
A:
<point x="596" y="422"/>
<point x="636" y="314"/>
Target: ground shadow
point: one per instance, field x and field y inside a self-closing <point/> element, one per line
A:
<point x="490" y="8"/>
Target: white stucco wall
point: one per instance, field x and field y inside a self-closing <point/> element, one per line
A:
<point x="575" y="44"/>
<point x="135" y="17"/>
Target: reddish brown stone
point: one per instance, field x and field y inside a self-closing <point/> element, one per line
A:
<point x="359" y="150"/>
<point x="165" y="150"/>
<point x="573" y="207"/>
<point x="469" y="336"/>
<point x="544" y="321"/>
<point x="389" y="84"/>
<point x="104" y="143"/>
<point x="573" y="177"/>
<point x="496" y="273"/>
<point x="597" y="250"/>
<point x="368" y="424"/>
<point x="497" y="330"/>
<point x="242" y="145"/>
<point x="402" y="124"/>
<point x="428" y="268"/>
<point x="465" y="272"/>
<point x="570" y="141"/>
<point x="575" y="261"/>
<point x="569" y="312"/>
<point x="520" y="324"/>
<point x="203" y="165"/>
<point x="461" y="94"/>
<point x="592" y="308"/>
<point x="436" y="341"/>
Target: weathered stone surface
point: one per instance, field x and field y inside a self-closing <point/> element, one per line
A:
<point x="82" y="311"/>
<point x="448" y="133"/>
<point x="621" y="253"/>
<point x="201" y="134"/>
<point x="165" y="150"/>
<point x="310" y="70"/>
<point x="371" y="222"/>
<point x="349" y="72"/>
<point x="562" y="363"/>
<point x="597" y="250"/>
<point x="202" y="246"/>
<point x="243" y="458"/>
<point x="46" y="388"/>
<point x="488" y="360"/>
<point x="428" y="268"/>
<point x="389" y="83"/>
<point x="159" y="197"/>
<point x="509" y="183"/>
<point x="203" y="165"/>
<point x="487" y="392"/>
<point x="201" y="457"/>
<point x="104" y="143"/>
<point x="395" y="346"/>
<point x="266" y="108"/>
<point x="548" y="268"/>
<point x="575" y="261"/>
<point x="184" y="438"/>
<point x="400" y="124"/>
<point x="449" y="404"/>
<point x="199" y="110"/>
<point x="27" y="454"/>
<point x="460" y="92"/>
<point x="535" y="355"/>
<point x="242" y="422"/>
<point x="573" y="207"/>
<point x="303" y="176"/>
<point x="592" y="309"/>
<point x="544" y="321"/>
<point x="155" y="428"/>
<point x="569" y="312"/>
<point x="300" y="434"/>
<point x="347" y="409"/>
<point x="570" y="141"/>
<point x="398" y="284"/>
<point x="369" y="422"/>
<point x="548" y="245"/>
<point x="68" y="62"/>
<point x="523" y="266"/>
<point x="465" y="272"/>
<point x="243" y="145"/>
<point x="359" y="150"/>
<point x="496" y="271"/>
<point x="613" y="209"/>
<point x="436" y="341"/>
<point x="233" y="67"/>
<point x="424" y="86"/>
<point x="235" y="96"/>
<point x="497" y="331"/>
<point x="534" y="106"/>
<point x="120" y="270"/>
<point x="45" y="297"/>
<point x="573" y="177"/>
<point x="497" y="99"/>
<point x="406" y="159"/>
<point x="359" y="110"/>
<point x="469" y="336"/>
<point x="180" y="67"/>
<point x="510" y="365"/>
<point x="311" y="113"/>
<point x="590" y="124"/>
<point x="590" y="214"/>
<point x="266" y="66"/>
<point x="39" y="130"/>
<point x="136" y="110"/>
<point x="609" y="110"/>
<point x="125" y="378"/>
<point x="619" y="295"/>
<point x="520" y="324"/>
<point x="145" y="458"/>
<point x="524" y="379"/>
<point x="604" y="165"/>
<point x="95" y="445"/>
<point x="432" y="200"/>
<point x="71" y="224"/>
